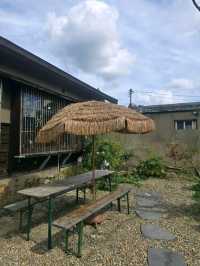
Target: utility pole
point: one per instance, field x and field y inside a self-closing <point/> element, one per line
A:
<point x="130" y="96"/>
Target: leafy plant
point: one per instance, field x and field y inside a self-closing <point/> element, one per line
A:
<point x="153" y="167"/>
<point x="109" y="154"/>
<point x="196" y="190"/>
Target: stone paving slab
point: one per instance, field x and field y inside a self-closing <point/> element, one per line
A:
<point x="148" y="215"/>
<point x="152" y="209"/>
<point x="152" y="195"/>
<point x="155" y="232"/>
<point x="164" y="257"/>
<point x="144" y="202"/>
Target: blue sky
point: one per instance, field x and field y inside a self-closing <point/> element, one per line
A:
<point x="151" y="46"/>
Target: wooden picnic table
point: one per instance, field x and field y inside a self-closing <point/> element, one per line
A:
<point x="51" y="191"/>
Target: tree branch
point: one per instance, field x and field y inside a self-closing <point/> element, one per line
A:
<point x="196" y="5"/>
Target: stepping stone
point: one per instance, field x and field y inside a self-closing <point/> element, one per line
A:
<point x="153" y="209"/>
<point x="154" y="231"/>
<point x="164" y="257"/>
<point x="153" y="195"/>
<point x="148" y="215"/>
<point x="143" y="202"/>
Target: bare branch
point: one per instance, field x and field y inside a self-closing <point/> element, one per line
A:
<point x="196" y="5"/>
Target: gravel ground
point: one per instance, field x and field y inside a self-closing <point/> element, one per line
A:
<point x="117" y="241"/>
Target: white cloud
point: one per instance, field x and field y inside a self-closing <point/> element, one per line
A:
<point x="182" y="83"/>
<point x="87" y="37"/>
<point x="161" y="96"/>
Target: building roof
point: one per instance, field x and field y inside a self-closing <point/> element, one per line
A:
<point x="22" y="65"/>
<point x="164" y="108"/>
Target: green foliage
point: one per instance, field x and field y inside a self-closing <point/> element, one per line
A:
<point x="196" y="190"/>
<point x="118" y="178"/>
<point x="153" y="167"/>
<point x="106" y="151"/>
<point x="112" y="153"/>
<point x="127" y="177"/>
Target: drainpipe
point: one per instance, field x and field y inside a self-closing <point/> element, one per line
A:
<point x="1" y="92"/>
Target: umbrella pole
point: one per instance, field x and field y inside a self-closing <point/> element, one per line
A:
<point x="93" y="168"/>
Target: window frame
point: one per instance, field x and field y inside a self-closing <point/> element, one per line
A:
<point x="194" y="125"/>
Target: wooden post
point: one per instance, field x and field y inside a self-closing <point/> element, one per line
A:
<point x="93" y="168"/>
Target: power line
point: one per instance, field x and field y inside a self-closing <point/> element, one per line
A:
<point x="166" y="95"/>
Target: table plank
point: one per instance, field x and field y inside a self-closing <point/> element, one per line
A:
<point x="63" y="186"/>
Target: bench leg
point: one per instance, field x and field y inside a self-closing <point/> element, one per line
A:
<point x="50" y="218"/>
<point x="110" y="183"/>
<point x="84" y="193"/>
<point x="66" y="240"/>
<point x="20" y="220"/>
<point x="128" y="205"/>
<point x="119" y="204"/>
<point x="80" y="239"/>
<point x="77" y="191"/>
<point x="30" y="210"/>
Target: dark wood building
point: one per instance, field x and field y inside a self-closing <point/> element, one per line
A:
<point x="31" y="91"/>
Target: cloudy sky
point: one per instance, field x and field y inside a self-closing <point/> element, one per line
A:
<point x="151" y="46"/>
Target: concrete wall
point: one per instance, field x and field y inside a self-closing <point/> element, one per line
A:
<point x="157" y="142"/>
<point x="165" y="130"/>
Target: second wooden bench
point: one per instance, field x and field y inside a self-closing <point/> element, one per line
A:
<point x="76" y="218"/>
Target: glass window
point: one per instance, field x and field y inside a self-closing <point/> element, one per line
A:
<point x="188" y="124"/>
<point x="185" y="124"/>
<point x="179" y="125"/>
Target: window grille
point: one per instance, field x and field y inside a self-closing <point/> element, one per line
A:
<point x="37" y="108"/>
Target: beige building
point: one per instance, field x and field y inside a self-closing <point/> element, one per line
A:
<point x="178" y="123"/>
<point x="175" y="124"/>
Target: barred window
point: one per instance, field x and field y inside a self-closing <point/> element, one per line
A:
<point x="37" y="108"/>
<point x="185" y="124"/>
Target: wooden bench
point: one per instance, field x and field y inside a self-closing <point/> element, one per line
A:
<point x="21" y="207"/>
<point x="76" y="218"/>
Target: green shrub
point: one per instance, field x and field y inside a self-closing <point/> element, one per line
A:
<point x="105" y="151"/>
<point x="196" y="190"/>
<point x="112" y="153"/>
<point x="153" y="167"/>
<point x="119" y="178"/>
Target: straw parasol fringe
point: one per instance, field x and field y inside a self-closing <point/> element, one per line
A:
<point x="92" y="118"/>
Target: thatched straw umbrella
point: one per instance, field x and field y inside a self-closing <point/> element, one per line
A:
<point x="92" y="118"/>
